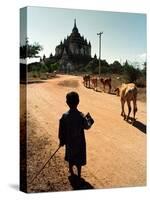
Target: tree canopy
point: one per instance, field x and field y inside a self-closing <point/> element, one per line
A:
<point x="30" y="50"/>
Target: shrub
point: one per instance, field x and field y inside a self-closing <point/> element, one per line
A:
<point x="141" y="82"/>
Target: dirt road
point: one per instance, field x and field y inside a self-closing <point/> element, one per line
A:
<point x="116" y="150"/>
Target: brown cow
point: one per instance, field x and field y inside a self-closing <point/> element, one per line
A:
<point x="128" y="92"/>
<point x="86" y="80"/>
<point x="94" y="82"/>
<point x="106" y="81"/>
<point x="117" y="91"/>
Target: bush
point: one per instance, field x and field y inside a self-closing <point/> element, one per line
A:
<point x="54" y="67"/>
<point x="141" y="82"/>
<point x="34" y="74"/>
<point x="34" y="67"/>
<point x="43" y="68"/>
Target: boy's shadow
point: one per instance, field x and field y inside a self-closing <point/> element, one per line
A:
<point x="79" y="183"/>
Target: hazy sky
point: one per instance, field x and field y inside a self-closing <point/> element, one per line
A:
<point x="124" y="34"/>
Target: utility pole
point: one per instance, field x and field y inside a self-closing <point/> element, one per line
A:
<point x="99" y="34"/>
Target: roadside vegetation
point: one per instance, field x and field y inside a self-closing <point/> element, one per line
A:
<point x="119" y="73"/>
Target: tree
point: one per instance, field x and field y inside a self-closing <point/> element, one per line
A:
<point x="104" y="66"/>
<point x="30" y="50"/>
<point x="144" y="69"/>
<point x="116" y="67"/>
<point x="132" y="74"/>
<point x="91" y="66"/>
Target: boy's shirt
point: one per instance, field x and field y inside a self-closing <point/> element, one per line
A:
<point x="72" y="125"/>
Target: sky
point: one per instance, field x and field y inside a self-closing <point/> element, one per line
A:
<point x="124" y="34"/>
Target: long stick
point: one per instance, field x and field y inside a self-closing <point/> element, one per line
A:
<point x="44" y="165"/>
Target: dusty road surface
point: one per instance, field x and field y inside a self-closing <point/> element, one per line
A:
<point x="116" y="150"/>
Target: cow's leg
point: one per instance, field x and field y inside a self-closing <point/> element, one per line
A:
<point x="129" y="109"/>
<point x="122" y="107"/>
<point x="134" y="109"/>
<point x="109" y="88"/>
<point x="93" y="85"/>
<point x="104" y="87"/>
<point x="96" y="85"/>
<point x="88" y="83"/>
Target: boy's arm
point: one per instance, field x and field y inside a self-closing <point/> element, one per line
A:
<point x="88" y="121"/>
<point x="61" y="133"/>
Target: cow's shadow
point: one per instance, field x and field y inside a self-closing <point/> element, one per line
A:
<point x="137" y="124"/>
<point x="79" y="183"/>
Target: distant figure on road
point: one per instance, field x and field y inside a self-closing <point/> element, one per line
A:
<point x="71" y="133"/>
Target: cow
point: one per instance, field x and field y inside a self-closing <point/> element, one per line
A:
<point x="128" y="92"/>
<point x="86" y="80"/>
<point x="94" y="82"/>
<point x="106" y="81"/>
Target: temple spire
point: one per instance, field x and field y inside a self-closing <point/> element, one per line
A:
<point x="75" y="23"/>
<point x="75" y="29"/>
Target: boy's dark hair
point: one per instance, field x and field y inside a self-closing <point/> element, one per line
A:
<point x="72" y="99"/>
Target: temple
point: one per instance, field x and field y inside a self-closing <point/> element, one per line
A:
<point x="74" y="51"/>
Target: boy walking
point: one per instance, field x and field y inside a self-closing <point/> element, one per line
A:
<point x="71" y="133"/>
